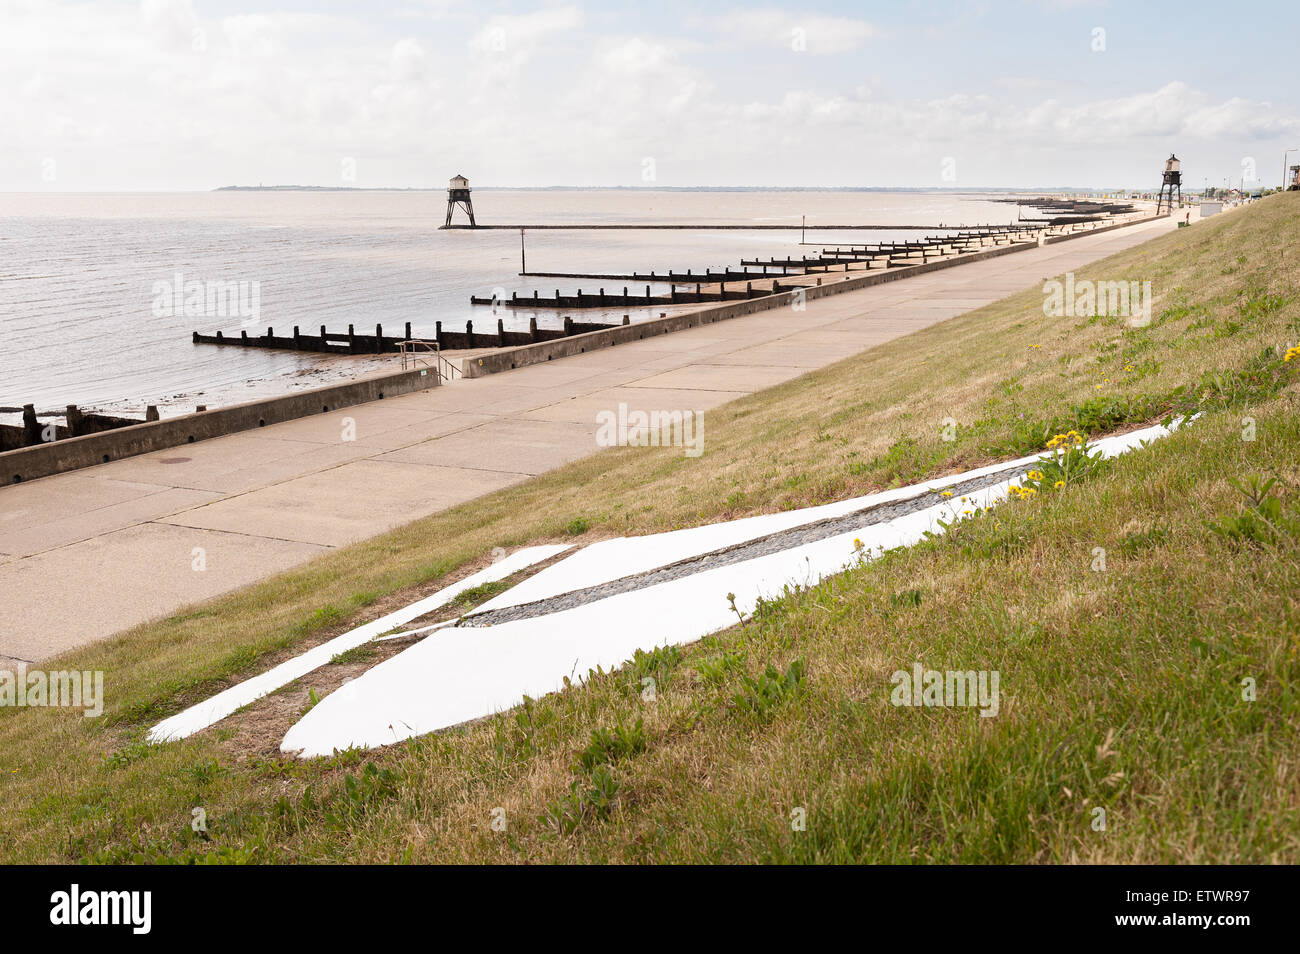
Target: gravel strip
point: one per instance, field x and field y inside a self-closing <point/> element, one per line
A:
<point x="772" y="543"/>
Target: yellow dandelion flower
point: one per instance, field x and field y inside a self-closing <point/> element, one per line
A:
<point x="946" y="493"/>
<point x="1058" y="485"/>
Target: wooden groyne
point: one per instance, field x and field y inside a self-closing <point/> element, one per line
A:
<point x="326" y="342"/>
<point x="379" y="343"/>
<point x="77" y="423"/>
<point x="627" y="300"/>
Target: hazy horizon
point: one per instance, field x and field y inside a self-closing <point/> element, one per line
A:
<point x="191" y="95"/>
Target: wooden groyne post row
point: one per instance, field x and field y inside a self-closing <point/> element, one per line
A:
<point x="379" y="343"/>
<point x="326" y="342"/>
<point x="77" y="423"/>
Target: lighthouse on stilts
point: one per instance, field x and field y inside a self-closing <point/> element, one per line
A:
<point x="458" y="195"/>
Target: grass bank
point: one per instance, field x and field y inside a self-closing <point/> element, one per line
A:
<point x="1123" y="688"/>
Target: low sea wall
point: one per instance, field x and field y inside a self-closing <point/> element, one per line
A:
<point x="56" y="457"/>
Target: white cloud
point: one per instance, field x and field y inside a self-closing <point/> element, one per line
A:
<point x="794" y="30"/>
<point x="121" y="97"/>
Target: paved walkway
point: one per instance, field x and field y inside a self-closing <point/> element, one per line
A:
<point x="87" y="554"/>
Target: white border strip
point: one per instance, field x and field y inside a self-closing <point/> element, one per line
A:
<point x="224" y="703"/>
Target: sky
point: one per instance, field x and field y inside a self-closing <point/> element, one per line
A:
<point x="175" y="95"/>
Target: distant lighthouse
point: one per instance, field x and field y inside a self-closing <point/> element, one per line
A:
<point x="458" y="194"/>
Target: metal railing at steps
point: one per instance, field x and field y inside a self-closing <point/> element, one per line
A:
<point x="420" y="353"/>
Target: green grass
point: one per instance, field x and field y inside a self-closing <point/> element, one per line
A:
<point x="1122" y="689"/>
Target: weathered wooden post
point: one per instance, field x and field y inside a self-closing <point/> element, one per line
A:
<point x="469" y="334"/>
<point x="31" y="428"/>
<point x="501" y="332"/>
<point x="379" y="339"/>
<point x="437" y="333"/>
<point x="532" y="327"/>
<point x="297" y="339"/>
<point x="352" y="340"/>
<point x="568" y="326"/>
<point x="151" y="412"/>
<point x="76" y="423"/>
<point x="408" y="331"/>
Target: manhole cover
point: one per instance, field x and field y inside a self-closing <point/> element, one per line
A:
<point x="174" y="460"/>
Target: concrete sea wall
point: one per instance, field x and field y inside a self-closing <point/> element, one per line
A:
<point x="56" y="457"/>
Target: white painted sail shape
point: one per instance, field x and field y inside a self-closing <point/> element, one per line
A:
<point x="224" y="703"/>
<point x="463" y="673"/>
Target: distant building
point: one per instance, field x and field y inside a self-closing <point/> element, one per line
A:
<point x="458" y="195"/>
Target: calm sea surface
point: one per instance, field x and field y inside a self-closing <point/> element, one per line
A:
<point x="79" y="323"/>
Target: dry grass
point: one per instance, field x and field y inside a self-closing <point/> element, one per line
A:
<point x="1152" y="650"/>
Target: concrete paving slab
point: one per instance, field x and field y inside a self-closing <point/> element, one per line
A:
<point x="791" y="354"/>
<point x="53" y="498"/>
<point x="415" y="433"/>
<point x="514" y="446"/>
<point x="331" y="428"/>
<point x="716" y="377"/>
<point x="345" y="504"/>
<point x="51" y="534"/>
<point x="194" y="464"/>
<point x="74" y="595"/>
<point x="555" y="373"/>
<point x="265" y="473"/>
<point x="490" y="395"/>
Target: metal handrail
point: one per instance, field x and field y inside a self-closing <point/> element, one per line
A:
<point x="415" y="351"/>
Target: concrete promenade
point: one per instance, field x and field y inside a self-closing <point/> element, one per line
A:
<point x="86" y="554"/>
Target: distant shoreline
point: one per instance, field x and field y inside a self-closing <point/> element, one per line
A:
<point x="984" y="190"/>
